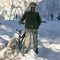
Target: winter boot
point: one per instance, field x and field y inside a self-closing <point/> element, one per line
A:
<point x="36" y="50"/>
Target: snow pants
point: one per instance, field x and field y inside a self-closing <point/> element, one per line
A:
<point x="31" y="34"/>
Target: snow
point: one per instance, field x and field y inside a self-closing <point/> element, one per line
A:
<point x="48" y="36"/>
<point x="48" y="33"/>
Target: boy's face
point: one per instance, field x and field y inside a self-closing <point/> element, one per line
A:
<point x="32" y="9"/>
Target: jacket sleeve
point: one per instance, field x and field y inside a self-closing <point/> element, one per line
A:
<point x="39" y="19"/>
<point x="22" y="19"/>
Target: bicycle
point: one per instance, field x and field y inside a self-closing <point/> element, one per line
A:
<point x="15" y="44"/>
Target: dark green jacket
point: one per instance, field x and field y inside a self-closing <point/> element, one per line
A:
<point x="32" y="20"/>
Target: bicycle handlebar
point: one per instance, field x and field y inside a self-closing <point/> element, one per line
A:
<point x="41" y="22"/>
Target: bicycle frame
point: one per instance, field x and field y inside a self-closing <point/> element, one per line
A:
<point x="20" y="39"/>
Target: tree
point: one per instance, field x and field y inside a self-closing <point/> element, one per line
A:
<point x="53" y="6"/>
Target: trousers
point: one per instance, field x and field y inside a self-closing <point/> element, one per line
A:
<point x="28" y="34"/>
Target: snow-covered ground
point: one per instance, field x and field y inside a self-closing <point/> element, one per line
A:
<point x="48" y="36"/>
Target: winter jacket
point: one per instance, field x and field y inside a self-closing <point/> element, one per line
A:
<point x="32" y="20"/>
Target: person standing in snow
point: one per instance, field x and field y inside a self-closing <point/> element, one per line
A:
<point x="32" y="23"/>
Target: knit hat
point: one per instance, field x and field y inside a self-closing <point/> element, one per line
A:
<point x="32" y="4"/>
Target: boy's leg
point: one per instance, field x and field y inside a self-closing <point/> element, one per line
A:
<point x="27" y="38"/>
<point x="26" y="41"/>
<point x="35" y="41"/>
